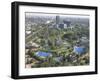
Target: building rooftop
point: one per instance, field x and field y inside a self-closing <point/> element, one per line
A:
<point x="43" y="54"/>
<point x="79" y="49"/>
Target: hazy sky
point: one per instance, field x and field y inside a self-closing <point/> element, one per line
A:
<point x="30" y="14"/>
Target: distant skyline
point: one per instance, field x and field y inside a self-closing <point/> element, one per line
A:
<point x="34" y="14"/>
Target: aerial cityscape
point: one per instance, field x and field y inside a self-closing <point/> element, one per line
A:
<point x="55" y="40"/>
